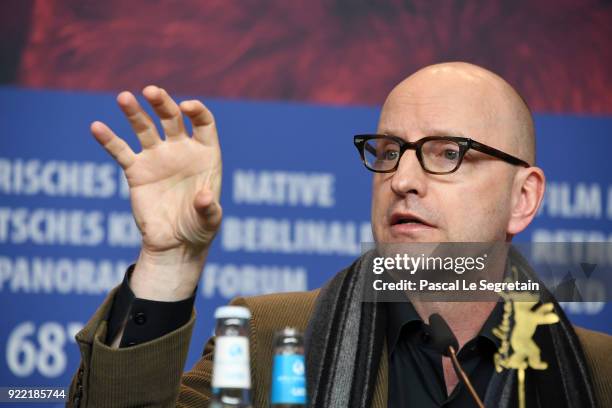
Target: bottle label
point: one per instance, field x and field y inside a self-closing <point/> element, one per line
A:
<point x="231" y="363"/>
<point x="288" y="379"/>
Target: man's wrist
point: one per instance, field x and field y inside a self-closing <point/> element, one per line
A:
<point x="167" y="276"/>
<point x="133" y="321"/>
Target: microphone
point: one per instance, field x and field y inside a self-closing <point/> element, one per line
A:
<point x="446" y="343"/>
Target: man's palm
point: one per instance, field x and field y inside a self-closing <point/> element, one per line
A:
<point x="174" y="183"/>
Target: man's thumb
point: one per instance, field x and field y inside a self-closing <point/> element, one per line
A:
<point x="208" y="208"/>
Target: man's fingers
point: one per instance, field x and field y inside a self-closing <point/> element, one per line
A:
<point x="203" y="122"/>
<point x="143" y="125"/>
<point x="114" y="145"/>
<point x="167" y="110"/>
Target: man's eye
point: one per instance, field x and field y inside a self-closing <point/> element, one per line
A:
<point x="390" y="155"/>
<point x="451" y="154"/>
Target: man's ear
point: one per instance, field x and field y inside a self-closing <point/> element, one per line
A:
<point x="527" y="195"/>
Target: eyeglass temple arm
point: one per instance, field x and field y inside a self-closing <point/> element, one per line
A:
<point x="498" y="153"/>
<point x="370" y="149"/>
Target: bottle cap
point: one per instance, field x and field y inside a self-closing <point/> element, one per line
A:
<point x="232" y="312"/>
<point x="288" y="331"/>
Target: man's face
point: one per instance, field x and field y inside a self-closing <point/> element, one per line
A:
<point x="469" y="205"/>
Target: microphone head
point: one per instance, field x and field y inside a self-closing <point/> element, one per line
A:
<point x="442" y="335"/>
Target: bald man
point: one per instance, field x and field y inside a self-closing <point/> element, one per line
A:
<point x="485" y="200"/>
<point x="454" y="161"/>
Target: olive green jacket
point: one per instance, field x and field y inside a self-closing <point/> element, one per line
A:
<point x="151" y="374"/>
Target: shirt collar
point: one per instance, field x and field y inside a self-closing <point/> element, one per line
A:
<point x="401" y="314"/>
<point x="493" y="321"/>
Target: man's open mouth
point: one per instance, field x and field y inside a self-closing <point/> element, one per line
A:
<point x="398" y="219"/>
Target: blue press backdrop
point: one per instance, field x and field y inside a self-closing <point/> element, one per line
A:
<point x="63" y="247"/>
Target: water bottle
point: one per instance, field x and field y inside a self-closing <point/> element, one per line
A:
<point x="288" y="371"/>
<point x="231" y="382"/>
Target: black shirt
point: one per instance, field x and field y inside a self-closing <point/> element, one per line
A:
<point x="416" y="377"/>
<point x="145" y="320"/>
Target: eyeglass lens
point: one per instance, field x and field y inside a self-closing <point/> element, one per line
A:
<point x="438" y="156"/>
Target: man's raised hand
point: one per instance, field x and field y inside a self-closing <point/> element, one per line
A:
<point x="174" y="185"/>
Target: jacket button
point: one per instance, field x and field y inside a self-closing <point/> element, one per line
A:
<point x="140" y="318"/>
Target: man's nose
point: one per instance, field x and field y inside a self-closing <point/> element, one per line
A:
<point x="409" y="178"/>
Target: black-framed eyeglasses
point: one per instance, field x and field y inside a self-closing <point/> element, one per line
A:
<point x="436" y="154"/>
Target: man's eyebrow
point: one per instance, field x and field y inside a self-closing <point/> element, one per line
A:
<point x="437" y="131"/>
<point x="391" y="132"/>
<point x="444" y="132"/>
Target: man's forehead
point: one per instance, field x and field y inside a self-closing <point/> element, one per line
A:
<point x="465" y="113"/>
<point x="405" y="132"/>
<point x="414" y="117"/>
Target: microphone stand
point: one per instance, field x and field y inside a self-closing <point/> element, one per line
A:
<point x="464" y="378"/>
<point x="446" y="343"/>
